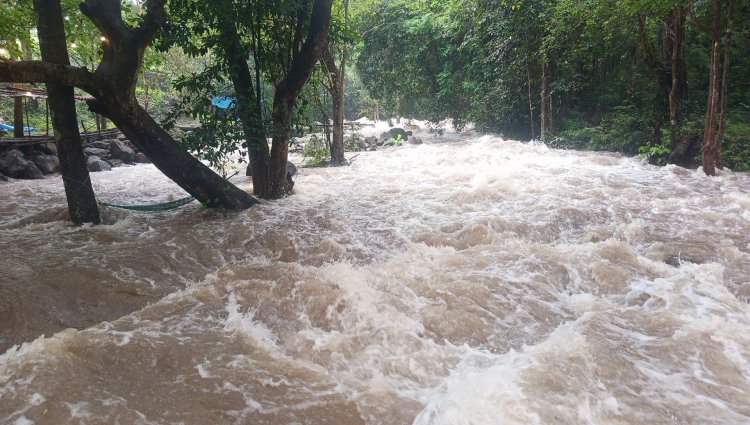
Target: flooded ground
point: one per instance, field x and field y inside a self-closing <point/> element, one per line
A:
<point x="467" y="280"/>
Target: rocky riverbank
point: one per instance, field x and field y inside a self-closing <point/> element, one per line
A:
<point x="36" y="161"/>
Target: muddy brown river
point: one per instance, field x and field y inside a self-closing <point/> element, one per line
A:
<point x="467" y="280"/>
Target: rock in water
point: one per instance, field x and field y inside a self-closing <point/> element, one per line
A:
<point x="97" y="164"/>
<point x="120" y="150"/>
<point x="13" y="164"/>
<point x="415" y="141"/>
<point x="394" y="133"/>
<point x="291" y="169"/>
<point x="101" y="153"/>
<point x="48" y="164"/>
<point x="114" y="162"/>
<point x="141" y="158"/>
<point x="100" y="144"/>
<point x="32" y="172"/>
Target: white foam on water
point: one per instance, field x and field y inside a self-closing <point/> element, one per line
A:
<point x="467" y="280"/>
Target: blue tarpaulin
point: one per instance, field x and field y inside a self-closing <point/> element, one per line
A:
<point x="223" y="102"/>
<point x="7" y="127"/>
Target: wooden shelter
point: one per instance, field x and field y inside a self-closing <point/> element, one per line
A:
<point x="24" y="93"/>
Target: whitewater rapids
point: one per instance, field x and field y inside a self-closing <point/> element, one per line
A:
<point x="467" y="280"/>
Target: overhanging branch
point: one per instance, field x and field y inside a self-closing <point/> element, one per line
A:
<point x="45" y="72"/>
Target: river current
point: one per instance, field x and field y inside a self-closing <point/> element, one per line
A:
<point x="466" y="280"/>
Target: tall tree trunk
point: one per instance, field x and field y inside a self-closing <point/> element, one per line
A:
<point x="78" y="191"/>
<point x="709" y="128"/>
<point x="711" y="146"/>
<point x="661" y="71"/>
<point x="724" y="85"/>
<point x="531" y="102"/>
<point x="18" y="116"/>
<point x="678" y="70"/>
<point x="248" y="109"/>
<point x="282" y="132"/>
<point x="287" y="91"/>
<point x="336" y="88"/>
<point x="19" y="102"/>
<point x="544" y="111"/>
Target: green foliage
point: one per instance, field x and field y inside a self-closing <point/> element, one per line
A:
<point x="736" y="144"/>
<point x="219" y="132"/>
<point x="16" y="22"/>
<point x="602" y="62"/>
<point x="625" y="129"/>
<point x="316" y="150"/>
<point x="394" y="142"/>
<point x="221" y="35"/>
<point x="354" y="143"/>
<point x="656" y="153"/>
<point x="410" y="57"/>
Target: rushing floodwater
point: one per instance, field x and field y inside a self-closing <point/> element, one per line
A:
<point x="469" y="280"/>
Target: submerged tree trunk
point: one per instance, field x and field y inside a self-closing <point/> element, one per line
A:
<point x="169" y="157"/>
<point x="75" y="174"/>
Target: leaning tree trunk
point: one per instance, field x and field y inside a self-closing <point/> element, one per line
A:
<point x="78" y="191"/>
<point x="114" y="86"/>
<point x="168" y="156"/>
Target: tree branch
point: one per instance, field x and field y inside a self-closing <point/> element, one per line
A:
<point x="303" y="64"/>
<point x="330" y="68"/>
<point x="695" y="21"/>
<point x="154" y="19"/>
<point x="46" y="72"/>
<point x="107" y="16"/>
